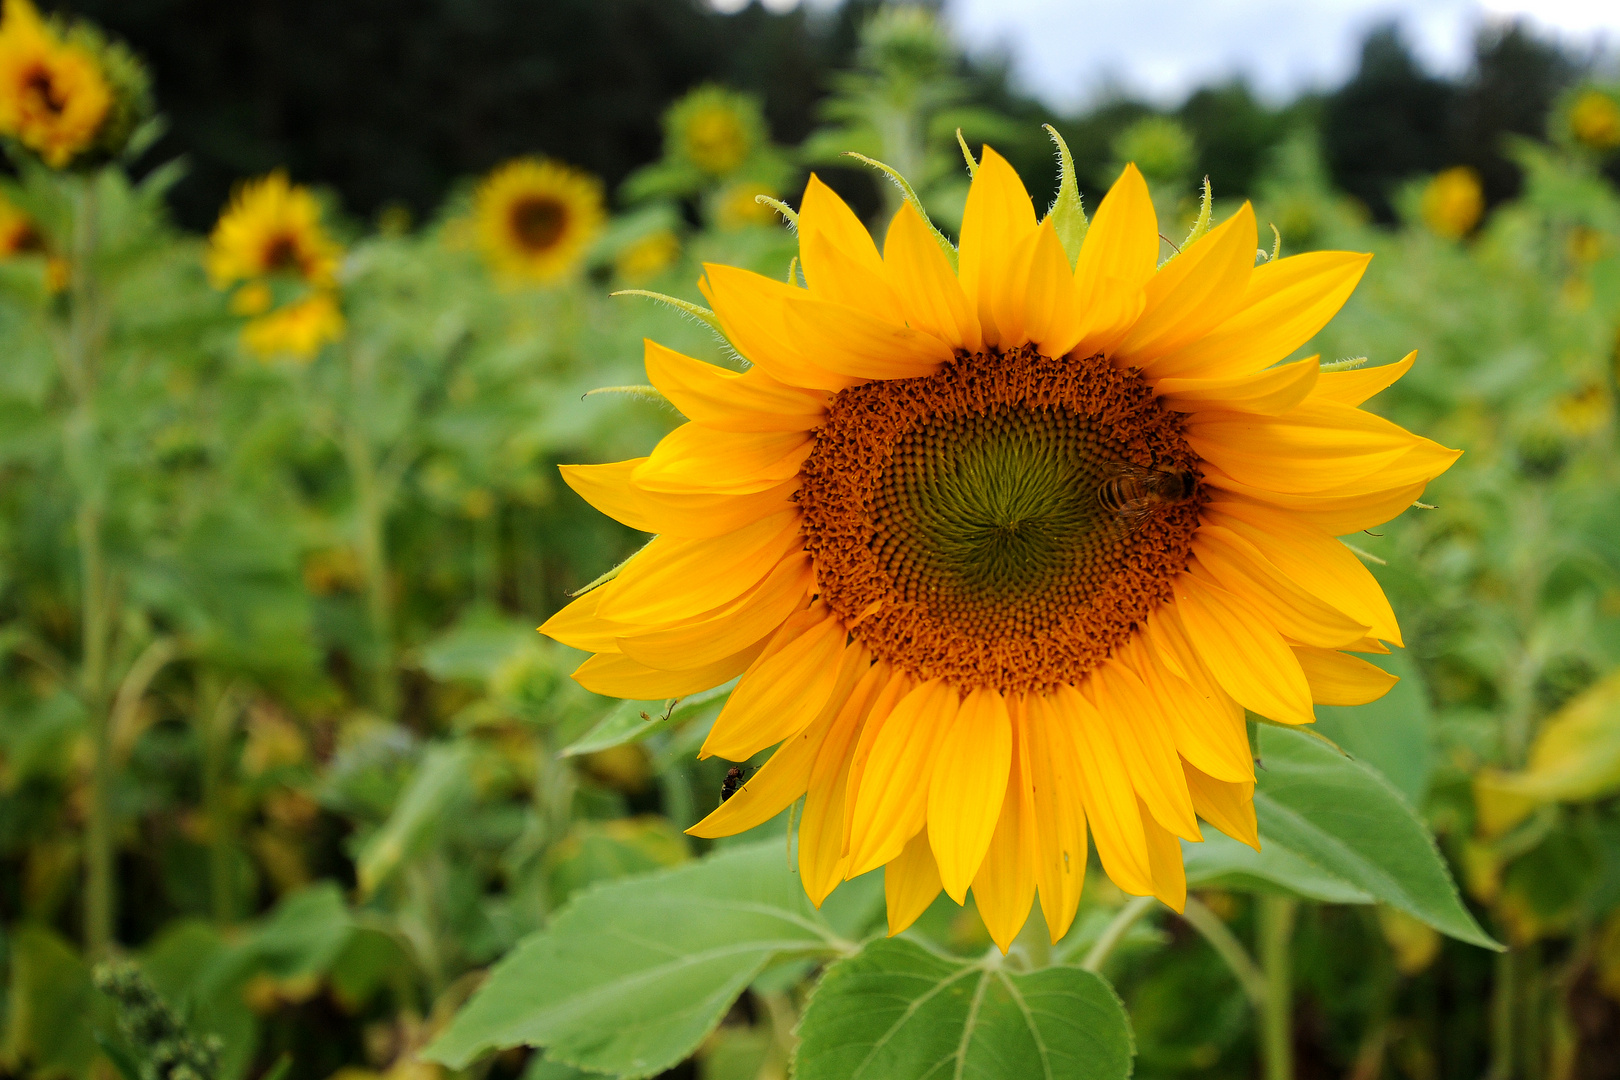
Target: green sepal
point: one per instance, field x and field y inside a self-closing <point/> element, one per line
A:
<point x="1068" y="212"/>
<point x="967" y="155"/>
<point x="911" y="197"/>
<point x="1206" y="211"/>
<point x="686" y="307"/>
<point x="790" y="215"/>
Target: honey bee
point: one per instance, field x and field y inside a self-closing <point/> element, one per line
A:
<point x="1129" y="493"/>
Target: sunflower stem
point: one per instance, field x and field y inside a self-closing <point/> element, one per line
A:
<point x="371" y="504"/>
<point x="1115" y="932"/>
<point x="1226" y="945"/>
<point x="1276" y="961"/>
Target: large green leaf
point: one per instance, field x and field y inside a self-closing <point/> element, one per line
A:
<point x="632" y="975"/>
<point x="1222" y="862"/>
<point x="1391" y="734"/>
<point x="441" y="780"/>
<point x="632" y="721"/>
<point x="900" y="1012"/>
<point x="1347" y="820"/>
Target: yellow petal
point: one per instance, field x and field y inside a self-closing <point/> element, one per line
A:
<point x="1117" y="259"/>
<point x="823" y="213"/>
<point x="996" y="218"/>
<point x="773" y="787"/>
<point x="1110" y="800"/>
<point x="609" y="489"/>
<point x="1193" y="292"/>
<point x="931" y="297"/>
<point x="1240" y="567"/>
<point x="752" y="313"/>
<point x="616" y="675"/>
<point x="1337" y="513"/>
<point x="1339" y="679"/>
<point x="730" y="401"/>
<point x="1040" y="295"/>
<point x="1285" y="304"/>
<point x="890" y="694"/>
<point x="891" y="803"/>
<point x="674" y="578"/>
<point x="1143" y="738"/>
<point x="579" y="627"/>
<point x="1058" y="812"/>
<point x="729" y="628"/>
<point x="910" y="883"/>
<point x="1354" y="387"/>
<point x="784" y="692"/>
<point x="1312" y="557"/>
<point x="1270" y="392"/>
<point x="1004" y="886"/>
<point x="698" y="459"/>
<point x="967" y="788"/>
<point x="821" y="828"/>
<point x="1204" y="725"/>
<point x="1246" y="656"/>
<point x="1227" y="806"/>
<point x="1164" y="862"/>
<point x="860" y="345"/>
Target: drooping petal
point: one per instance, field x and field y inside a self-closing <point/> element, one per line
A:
<point x="1110" y="800"/>
<point x="1227" y="806"/>
<point x="1057" y="810"/>
<point x="910" y="882"/>
<point x="1004" y="886"/>
<point x="892" y="802"/>
<point x="968" y="787"/>
<point x="1249" y="659"/>
<point x="890" y="694"/>
<point x="1164" y="863"/>
<point x="1339" y="679"/>
<point x="931" y="297"/>
<point x="821" y="827"/>
<point x="785" y="692"/>
<point x="1204" y="726"/>
<point x="1143" y="740"/>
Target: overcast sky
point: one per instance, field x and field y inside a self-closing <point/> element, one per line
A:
<point x="1067" y="51"/>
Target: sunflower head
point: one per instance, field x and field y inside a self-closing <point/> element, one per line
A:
<point x="272" y="229"/>
<point x="1453" y="202"/>
<point x="537" y="218"/>
<point x="737" y="206"/>
<point x="1594" y="119"/>
<point x="1000" y="546"/>
<point x="714" y="130"/>
<point x="70" y="96"/>
<point x="298" y="329"/>
<point x="648" y="256"/>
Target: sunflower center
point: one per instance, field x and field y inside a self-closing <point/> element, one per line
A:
<point x="39" y="85"/>
<point x="970" y="525"/>
<point x="538" y="221"/>
<point x="281" y="253"/>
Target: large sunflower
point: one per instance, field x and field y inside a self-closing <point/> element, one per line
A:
<point x="272" y="227"/>
<point x="1004" y="550"/>
<point x="54" y="96"/>
<point x="536" y="218"/>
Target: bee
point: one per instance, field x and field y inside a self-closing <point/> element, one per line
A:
<point x="733" y="781"/>
<point x="1129" y="493"/>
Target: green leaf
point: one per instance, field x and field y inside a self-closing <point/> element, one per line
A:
<point x="899" y="1012"/>
<point x="631" y="976"/>
<point x="1391" y="734"/>
<point x="52" y="1010"/>
<point x="441" y="780"/>
<point x="1347" y="820"/>
<point x="632" y="721"/>
<point x="306" y="932"/>
<point x="1221" y="862"/>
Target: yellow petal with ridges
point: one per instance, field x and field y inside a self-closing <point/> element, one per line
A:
<point x="729" y="628"/>
<point x="1285" y="303"/>
<point x="967" y="788"/>
<point x="609" y="489"/>
<point x="698" y="459"/>
<point x="1337" y="678"/>
<point x="910" y="883"/>
<point x="821" y="827"/>
<point x="891" y="803"/>
<point x="1117" y="259"/>
<point x="753" y="315"/>
<point x="1004" y="886"/>
<point x="1193" y="292"/>
<point x="616" y="675"/>
<point x="1337" y="513"/>
<point x="1041" y="297"/>
<point x="1248" y="658"/>
<point x="890" y="694"/>
<point x="824" y="213"/>
<point x="836" y="277"/>
<point x="674" y="578"/>
<point x="860" y="345"/>
<point x="1057" y="810"/>
<point x="1357" y="385"/>
<point x="997" y="217"/>
<point x="1269" y="393"/>
<point x="1240" y="567"/>
<point x="785" y="692"/>
<point x="1110" y="800"/>
<point x="1145" y="745"/>
<point x="1202" y="725"/>
<point x="728" y="400"/>
<point x="931" y="297"/>
<point x="1164" y="863"/>
<point x="579" y="627"/>
<point x="1227" y="806"/>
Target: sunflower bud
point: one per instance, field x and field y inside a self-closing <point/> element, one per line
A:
<point x="1594" y="119"/>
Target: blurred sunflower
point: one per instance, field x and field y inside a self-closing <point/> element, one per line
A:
<point x="536" y="218"/>
<point x="1453" y="203"/>
<point x="1594" y="119"/>
<point x="714" y="129"/>
<point x="1005" y="549"/>
<point x="298" y="329"/>
<point x="272" y="227"/>
<point x="737" y="206"/>
<point x="19" y="234"/>
<point x="648" y="256"/>
<point x="54" y="96"/>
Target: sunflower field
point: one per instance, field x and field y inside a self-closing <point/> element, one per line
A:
<point x="1076" y="624"/>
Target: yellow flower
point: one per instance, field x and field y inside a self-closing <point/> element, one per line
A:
<point x="648" y="256"/>
<point x="536" y="218"/>
<point x="738" y="206"/>
<point x="54" y="97"/>
<point x="1594" y="119"/>
<point x="19" y="235"/>
<point x="271" y="227"/>
<point x="1004" y="550"/>
<point x="298" y="329"/>
<point x="1453" y="202"/>
<point x="714" y="129"/>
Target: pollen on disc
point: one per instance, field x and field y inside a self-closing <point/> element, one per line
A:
<point x="963" y="505"/>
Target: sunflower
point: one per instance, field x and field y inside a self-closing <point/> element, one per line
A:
<point x="1002" y="548"/>
<point x="648" y="256"/>
<point x="1594" y="119"/>
<point x="714" y="129"/>
<point x="1453" y="202"/>
<point x="298" y="329"/>
<point x="536" y="218"/>
<point x="54" y="96"/>
<point x="271" y="227"/>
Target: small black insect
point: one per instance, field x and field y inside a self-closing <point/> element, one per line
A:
<point x="734" y="780"/>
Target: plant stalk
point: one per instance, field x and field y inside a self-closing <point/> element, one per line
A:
<point x="1276" y="961"/>
<point x="371" y="503"/>
<point x="1230" y="949"/>
<point x="1115" y="932"/>
<point x="215" y="712"/>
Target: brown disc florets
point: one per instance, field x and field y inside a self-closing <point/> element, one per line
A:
<point x="956" y="523"/>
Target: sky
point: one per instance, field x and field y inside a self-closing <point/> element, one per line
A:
<point x="1069" y="52"/>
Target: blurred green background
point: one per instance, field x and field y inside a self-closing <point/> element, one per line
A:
<point x="290" y="700"/>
